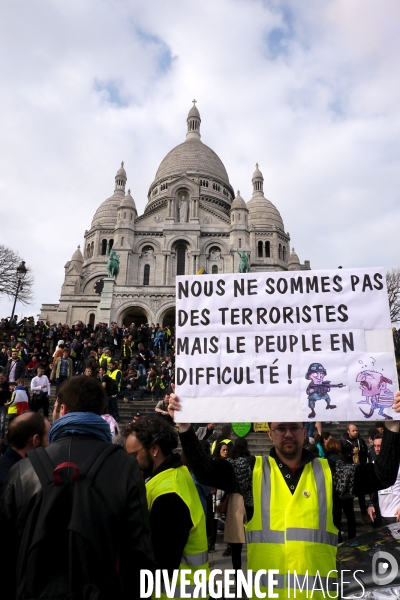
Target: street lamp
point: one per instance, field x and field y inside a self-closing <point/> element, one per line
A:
<point x="21" y="272"/>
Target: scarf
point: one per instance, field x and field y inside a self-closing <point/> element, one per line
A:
<point x="80" y="423"/>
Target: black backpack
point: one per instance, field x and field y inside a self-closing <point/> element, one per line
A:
<point x="66" y="548"/>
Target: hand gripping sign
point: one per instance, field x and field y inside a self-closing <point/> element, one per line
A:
<point x="303" y="345"/>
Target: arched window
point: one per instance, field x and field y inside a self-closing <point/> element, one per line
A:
<point x="146" y="275"/>
<point x="180" y="260"/>
<point x="280" y="252"/>
<point x="92" y="317"/>
<point x="122" y="241"/>
<point x="284" y="253"/>
<point x="240" y="242"/>
<point x="110" y="244"/>
<point x="103" y="247"/>
<point x="88" y="251"/>
<point x="267" y="249"/>
<point x="214" y="269"/>
<point x="260" y="249"/>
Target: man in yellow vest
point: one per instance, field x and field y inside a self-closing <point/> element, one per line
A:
<point x="177" y="520"/>
<point x="289" y="502"/>
<point x="116" y="374"/>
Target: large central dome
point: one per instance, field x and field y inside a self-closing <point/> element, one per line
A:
<point x="192" y="155"/>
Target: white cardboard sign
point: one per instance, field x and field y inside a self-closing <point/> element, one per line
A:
<point x="292" y="346"/>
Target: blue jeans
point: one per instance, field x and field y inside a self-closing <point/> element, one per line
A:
<point x="142" y="374"/>
<point x="310" y="429"/>
<point x="60" y="380"/>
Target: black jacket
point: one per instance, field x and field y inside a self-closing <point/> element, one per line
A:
<point x="19" y="370"/>
<point x="120" y="484"/>
<point x="347" y="449"/>
<point x="170" y="523"/>
<point x="8" y="460"/>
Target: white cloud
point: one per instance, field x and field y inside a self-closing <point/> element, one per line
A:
<point x="308" y="90"/>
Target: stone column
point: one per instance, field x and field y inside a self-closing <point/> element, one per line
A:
<point x="194" y="211"/>
<point x="171" y="218"/>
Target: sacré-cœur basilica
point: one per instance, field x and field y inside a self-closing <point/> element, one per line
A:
<point x="193" y="219"/>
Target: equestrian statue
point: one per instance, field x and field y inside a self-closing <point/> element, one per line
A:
<point x="113" y="263"/>
<point x="244" y="264"/>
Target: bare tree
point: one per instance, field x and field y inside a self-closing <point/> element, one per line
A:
<point x="9" y="261"/>
<point x="393" y="289"/>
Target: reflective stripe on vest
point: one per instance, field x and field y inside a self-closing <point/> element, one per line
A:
<point x="126" y="350"/>
<point x="298" y="534"/>
<point x="274" y="534"/>
<point x="195" y="560"/>
<point x="195" y="553"/>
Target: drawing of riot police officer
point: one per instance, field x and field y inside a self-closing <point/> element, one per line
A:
<point x="318" y="388"/>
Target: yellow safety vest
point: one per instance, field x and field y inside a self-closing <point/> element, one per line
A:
<point x="106" y="358"/>
<point x="227" y="441"/>
<point x="113" y="375"/>
<point x="293" y="532"/>
<point x="126" y="350"/>
<point x="195" y="552"/>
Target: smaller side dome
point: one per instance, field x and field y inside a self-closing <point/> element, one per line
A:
<point x="239" y="202"/>
<point x="127" y="202"/>
<point x="294" y="261"/>
<point x="77" y="255"/>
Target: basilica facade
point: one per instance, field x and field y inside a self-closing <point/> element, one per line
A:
<point x="193" y="220"/>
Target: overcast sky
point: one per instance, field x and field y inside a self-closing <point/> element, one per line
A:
<point x="309" y="90"/>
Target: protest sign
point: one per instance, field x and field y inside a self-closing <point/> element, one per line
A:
<point x="292" y="346"/>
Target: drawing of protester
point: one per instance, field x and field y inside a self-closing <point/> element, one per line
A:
<point x="374" y="389"/>
<point x="318" y="388"/>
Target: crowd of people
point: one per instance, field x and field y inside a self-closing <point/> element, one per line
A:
<point x="122" y="358"/>
<point x="86" y="505"/>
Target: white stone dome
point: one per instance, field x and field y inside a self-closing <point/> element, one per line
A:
<point x="77" y="255"/>
<point x="192" y="155"/>
<point x="294" y="261"/>
<point x="106" y="214"/>
<point x="128" y="202"/>
<point x="239" y="202"/>
<point x="263" y="212"/>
